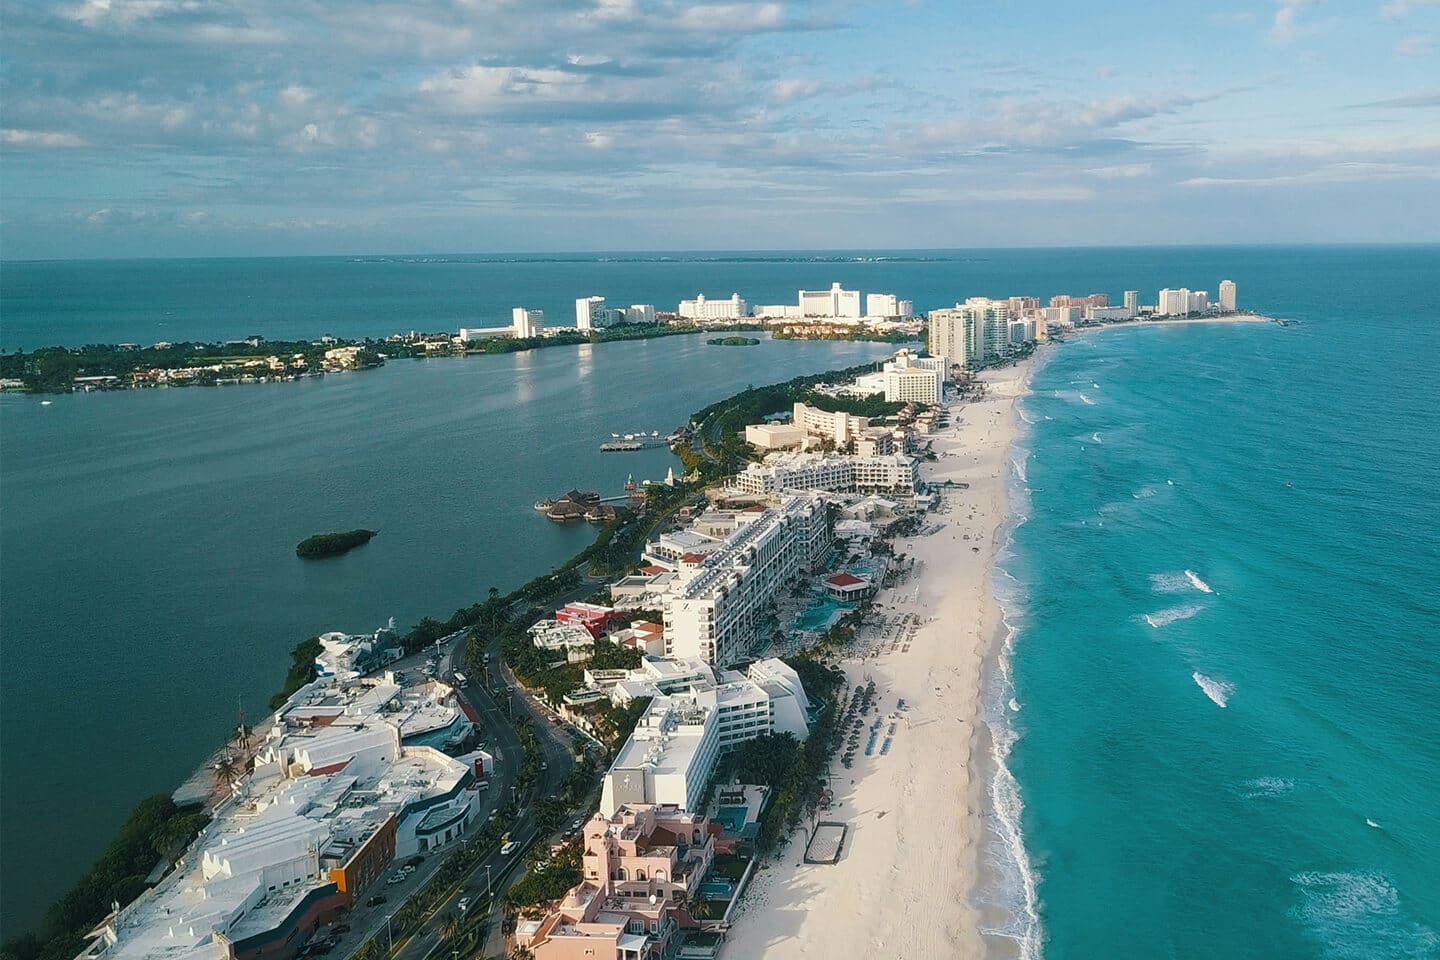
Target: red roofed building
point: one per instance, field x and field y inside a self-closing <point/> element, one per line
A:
<point x="592" y="617"/>
<point x="848" y="587"/>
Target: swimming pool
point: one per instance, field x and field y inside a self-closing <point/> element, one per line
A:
<point x="731" y="818"/>
<point x="823" y="611"/>
<point x="717" y="888"/>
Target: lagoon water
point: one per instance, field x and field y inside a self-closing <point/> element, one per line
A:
<point x="1194" y="784"/>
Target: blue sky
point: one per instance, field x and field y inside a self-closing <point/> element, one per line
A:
<point x="235" y="127"/>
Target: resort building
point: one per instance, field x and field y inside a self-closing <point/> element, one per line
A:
<point x="831" y="304"/>
<point x="637" y="864"/>
<point x="893" y="473"/>
<point x="775" y="436"/>
<point x="700" y="308"/>
<point x="554" y="635"/>
<point x="714" y="609"/>
<point x="1109" y="314"/>
<point x="1227" y="295"/>
<point x="1132" y="302"/>
<point x="347" y="656"/>
<point x="527" y="323"/>
<point x="590" y="313"/>
<point x="696" y="715"/>
<point x="335" y="795"/>
<point x="972" y="333"/>
<point x="910" y="378"/>
<point x="887" y="306"/>
<point x="837" y="427"/>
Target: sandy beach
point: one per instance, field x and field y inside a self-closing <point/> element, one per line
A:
<point x="916" y="814"/>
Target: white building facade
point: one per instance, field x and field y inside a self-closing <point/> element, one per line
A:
<point x="700" y="308"/>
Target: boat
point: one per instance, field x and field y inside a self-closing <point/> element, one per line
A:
<point x="46" y="403"/>
<point x="543" y="505"/>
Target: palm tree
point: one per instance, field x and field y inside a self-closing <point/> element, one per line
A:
<point x="226" y="772"/>
<point x="451" y="928"/>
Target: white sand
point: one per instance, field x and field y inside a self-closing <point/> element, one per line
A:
<point x="904" y="884"/>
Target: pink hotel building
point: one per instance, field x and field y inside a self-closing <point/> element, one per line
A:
<point x="637" y="866"/>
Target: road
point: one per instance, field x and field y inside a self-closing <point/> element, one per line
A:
<point x="495" y="873"/>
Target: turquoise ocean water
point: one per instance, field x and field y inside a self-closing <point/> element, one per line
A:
<point x="147" y="568"/>
<point x="1225" y="596"/>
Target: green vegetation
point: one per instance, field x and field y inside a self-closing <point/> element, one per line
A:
<point x="332" y="544"/>
<point x="302" y="670"/>
<point x="721" y="425"/>
<point x="832" y="332"/>
<point x="548" y="879"/>
<point x="156" y="830"/>
<point x="733" y="342"/>
<point x="874" y="406"/>
<point x="794" y="771"/>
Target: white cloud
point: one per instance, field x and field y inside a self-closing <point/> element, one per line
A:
<point x="39" y="138"/>
<point x="1415" y="45"/>
<point x="1124" y="171"/>
<point x="1356" y="172"/>
<point x="1401" y="9"/>
<point x="1286" y="26"/>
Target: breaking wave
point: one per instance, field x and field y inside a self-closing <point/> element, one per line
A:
<point x="1197" y="583"/>
<point x="1263" y="787"/>
<point x="1357" y="915"/>
<point x="1217" y="690"/>
<point x="1169" y="615"/>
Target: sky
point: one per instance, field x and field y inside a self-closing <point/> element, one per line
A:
<point x="286" y="127"/>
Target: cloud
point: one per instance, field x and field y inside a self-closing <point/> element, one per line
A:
<point x="1124" y="171"/>
<point x="1355" y="172"/>
<point x="1415" y="45"/>
<point x="1400" y="9"/>
<point x="1414" y="100"/>
<point x="1286" y="27"/>
<point x="39" y="138"/>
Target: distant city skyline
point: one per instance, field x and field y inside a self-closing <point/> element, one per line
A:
<point x="179" y="128"/>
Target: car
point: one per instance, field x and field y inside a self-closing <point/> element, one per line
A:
<point x="509" y="848"/>
<point x="493" y="815"/>
<point x="577" y="824"/>
<point x="396" y="878"/>
<point x="414" y="861"/>
<point x="544" y="765"/>
<point x="376" y="900"/>
<point x="464" y="904"/>
<point x="339" y="928"/>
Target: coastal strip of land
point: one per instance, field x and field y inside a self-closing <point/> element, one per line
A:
<point x="914" y="802"/>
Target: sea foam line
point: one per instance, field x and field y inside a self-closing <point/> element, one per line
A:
<point x="1199" y="584"/>
<point x="1170" y="614"/>
<point x="1217" y="690"/>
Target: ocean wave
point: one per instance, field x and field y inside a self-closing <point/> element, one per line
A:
<point x="1195" y="581"/>
<point x="1024" y="416"/>
<point x="1017" y="465"/>
<point x="1086" y="400"/>
<point x="1005" y="799"/>
<point x="1182" y="582"/>
<point x="1144" y="493"/>
<point x="1163" y="618"/>
<point x="1358" y="914"/>
<point x="1217" y="690"/>
<point x="1263" y="787"/>
<point x="1095" y="438"/>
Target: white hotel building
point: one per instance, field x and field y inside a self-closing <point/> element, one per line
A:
<point x="700" y="308"/>
<point x="835" y="473"/>
<point x="335" y="795"/>
<point x="714" y="607"/>
<point x="670" y="758"/>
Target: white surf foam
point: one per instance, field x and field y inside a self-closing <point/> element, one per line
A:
<point x="1372" y="823"/>
<point x="1144" y="493"/>
<point x="1086" y="400"/>
<point x="1263" y="787"/>
<point x="1169" y="615"/>
<point x="1023" y="416"/>
<point x="1095" y="438"/>
<point x="1169" y="583"/>
<point x="1199" y="584"/>
<point x="1359" y="914"/>
<point x="1014" y="705"/>
<point x="1217" y="690"/>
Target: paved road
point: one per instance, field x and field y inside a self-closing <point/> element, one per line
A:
<point x="495" y="873"/>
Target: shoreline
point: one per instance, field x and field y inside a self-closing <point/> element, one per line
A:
<point x="920" y="831"/>
<point x="1177" y="322"/>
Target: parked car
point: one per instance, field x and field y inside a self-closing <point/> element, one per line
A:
<point x="464" y="904"/>
<point x="376" y="900"/>
<point x="508" y="849"/>
<point x="415" y="861"/>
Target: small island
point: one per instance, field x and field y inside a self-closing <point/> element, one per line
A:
<point x="733" y="342"/>
<point x="332" y="544"/>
